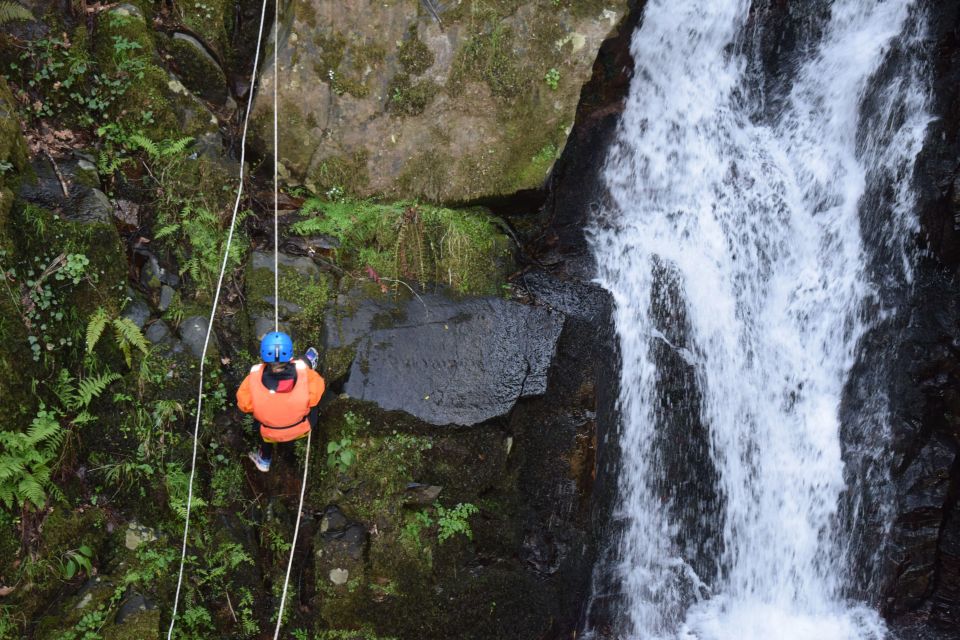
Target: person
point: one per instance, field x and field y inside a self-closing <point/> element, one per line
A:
<point x="282" y="393"/>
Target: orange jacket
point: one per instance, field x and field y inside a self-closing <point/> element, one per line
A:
<point x="252" y="397"/>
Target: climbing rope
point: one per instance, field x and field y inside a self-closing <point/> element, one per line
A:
<point x="276" y="312"/>
<point x="213" y="311"/>
<point x="276" y="296"/>
<point x="276" y="162"/>
<point x="216" y="301"/>
<point x="293" y="547"/>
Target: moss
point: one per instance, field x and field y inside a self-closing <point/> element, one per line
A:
<point x="211" y="20"/>
<point x="348" y="174"/>
<point x="343" y="62"/>
<point x="199" y="72"/>
<point x="421" y="244"/>
<point x="151" y="101"/>
<point x="491" y="58"/>
<point x="143" y="626"/>
<point x="415" y="57"/>
<point x="311" y="294"/>
<point x="408" y="97"/>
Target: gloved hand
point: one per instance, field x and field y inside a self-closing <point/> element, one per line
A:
<point x="313" y="357"/>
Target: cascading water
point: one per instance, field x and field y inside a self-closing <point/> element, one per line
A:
<point x="754" y="227"/>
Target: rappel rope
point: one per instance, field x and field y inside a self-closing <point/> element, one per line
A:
<point x="276" y="296"/>
<point x="216" y="301"/>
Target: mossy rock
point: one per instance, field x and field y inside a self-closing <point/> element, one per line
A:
<point x="154" y="102"/>
<point x="212" y="20"/>
<point x="304" y="293"/>
<point x="478" y="107"/>
<point x="198" y="70"/>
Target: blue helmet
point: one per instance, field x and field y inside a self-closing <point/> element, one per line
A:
<point x="276" y="347"/>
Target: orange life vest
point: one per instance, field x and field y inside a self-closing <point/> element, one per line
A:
<point x="282" y="416"/>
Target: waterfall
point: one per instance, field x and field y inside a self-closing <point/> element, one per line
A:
<point x="750" y="247"/>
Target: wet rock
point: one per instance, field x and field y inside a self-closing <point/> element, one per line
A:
<point x="262" y="325"/>
<point x="199" y="71"/>
<point x="158" y="333"/>
<point x="303" y="266"/>
<point x="138" y="312"/>
<point x="166" y="297"/>
<point x="421" y="494"/>
<point x="333" y="520"/>
<point x="193" y="332"/>
<point x="461" y="361"/>
<point x="133" y="606"/>
<point x="70" y="187"/>
<point x="95" y="207"/>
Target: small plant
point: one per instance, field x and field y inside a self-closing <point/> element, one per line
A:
<point x="454" y="521"/>
<point x="27" y="461"/>
<point x="127" y="334"/>
<point x="76" y="559"/>
<point x="340" y="455"/>
<point x="12" y="12"/>
<point x="552" y="78"/>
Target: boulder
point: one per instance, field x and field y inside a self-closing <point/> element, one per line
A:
<point x="197" y="69"/>
<point x="447" y="361"/>
<point x="193" y="332"/>
<point x="138" y="312"/>
<point x="448" y="104"/>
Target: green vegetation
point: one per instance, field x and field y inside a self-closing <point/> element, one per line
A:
<point x="12" y="12"/>
<point x="552" y="78"/>
<point x="340" y="455"/>
<point x="417" y="243"/>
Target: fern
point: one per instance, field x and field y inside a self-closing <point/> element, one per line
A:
<point x="129" y="337"/>
<point x="90" y="388"/>
<point x="12" y="12"/>
<point x="140" y="141"/>
<point x="98" y="322"/>
<point x="176" y="147"/>
<point x="27" y="460"/>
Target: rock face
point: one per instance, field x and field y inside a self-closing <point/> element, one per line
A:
<point x="451" y="362"/>
<point x="923" y="573"/>
<point x="419" y="99"/>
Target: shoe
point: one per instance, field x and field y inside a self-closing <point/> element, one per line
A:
<point x="312" y="357"/>
<point x="260" y="463"/>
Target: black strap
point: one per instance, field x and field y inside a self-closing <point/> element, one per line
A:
<point x="295" y="424"/>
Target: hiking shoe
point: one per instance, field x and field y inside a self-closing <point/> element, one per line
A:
<point x="261" y="463"/>
<point x="312" y="357"/>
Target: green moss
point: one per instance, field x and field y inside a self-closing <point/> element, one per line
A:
<point x="200" y="73"/>
<point x="124" y="48"/>
<point x="343" y="62"/>
<point x="143" y="626"/>
<point x="311" y="294"/>
<point x="347" y="174"/>
<point x="462" y="249"/>
<point x="408" y="97"/>
<point x="490" y="57"/>
<point x="415" y="57"/>
<point x="211" y="20"/>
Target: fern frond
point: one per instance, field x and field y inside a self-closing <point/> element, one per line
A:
<point x="92" y="387"/>
<point x="32" y="490"/>
<point x="129" y="335"/>
<point x="12" y="12"/>
<point x="98" y="322"/>
<point x="42" y="428"/>
<point x="168" y="230"/>
<point x="177" y="147"/>
<point x="140" y="141"/>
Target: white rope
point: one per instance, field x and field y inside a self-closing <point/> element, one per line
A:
<point x="276" y="298"/>
<point x="276" y="162"/>
<point x="213" y="311"/>
<point x="296" y="533"/>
